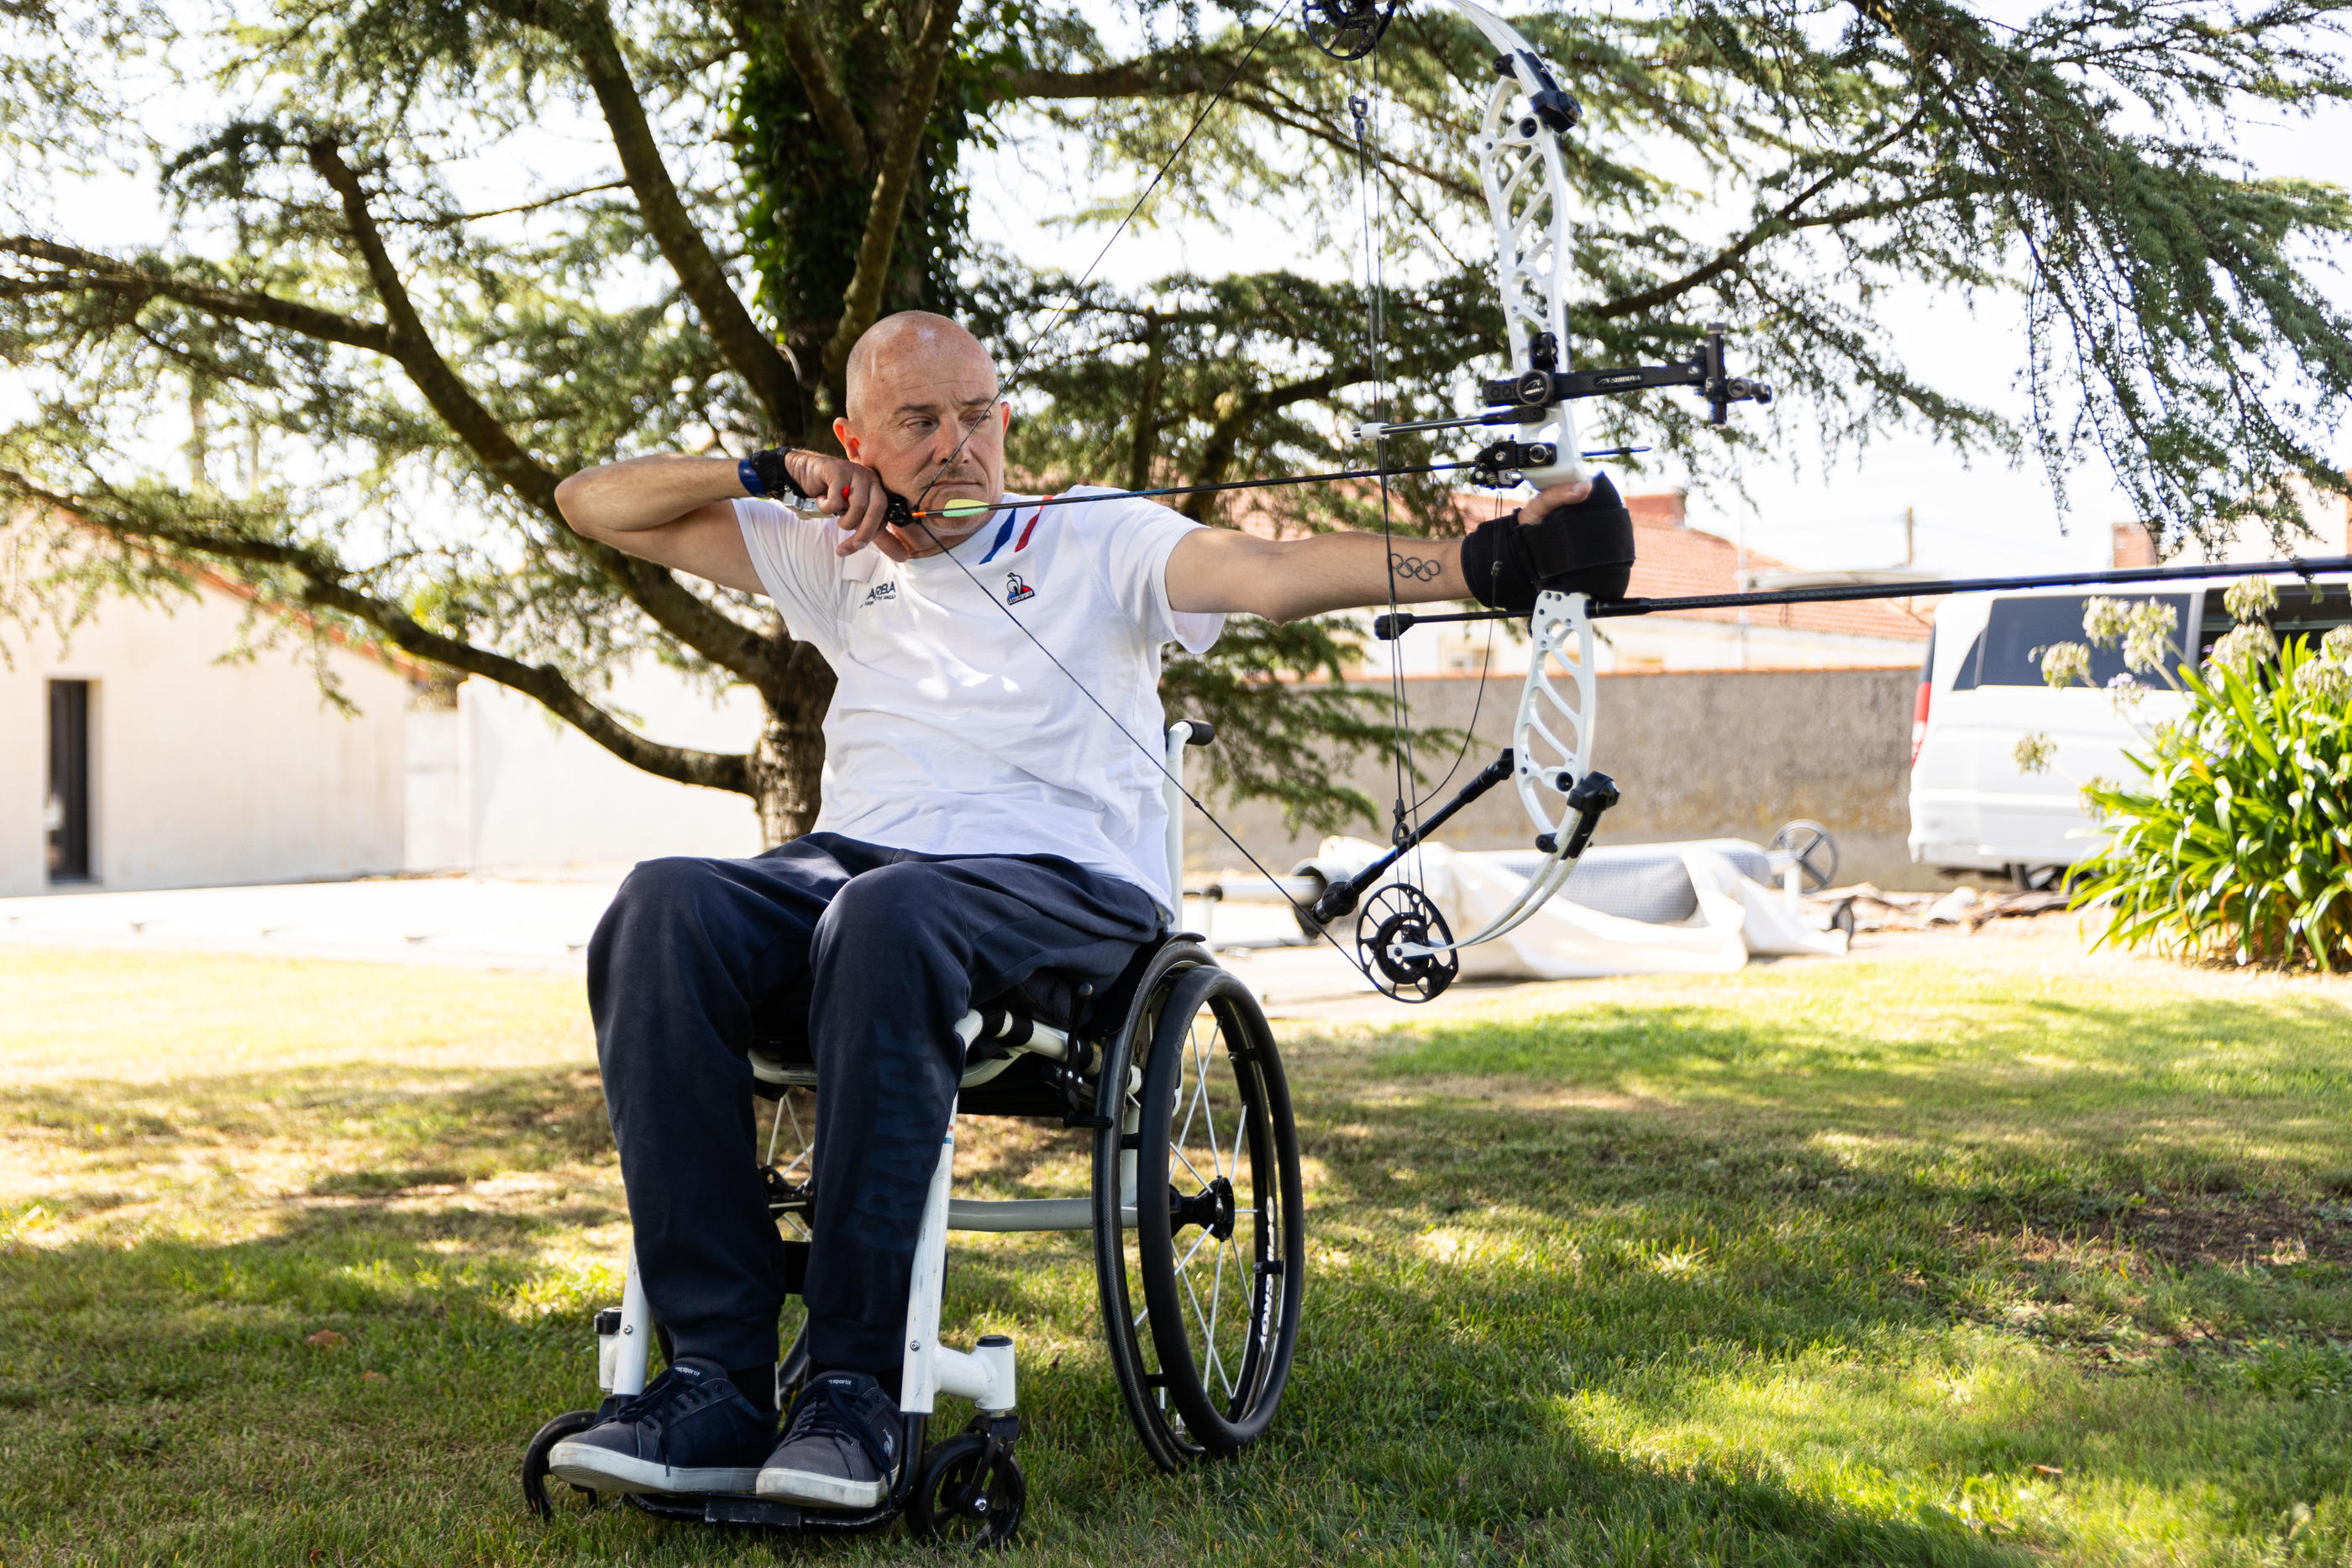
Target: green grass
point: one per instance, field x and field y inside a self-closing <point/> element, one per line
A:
<point x="1991" y="1254"/>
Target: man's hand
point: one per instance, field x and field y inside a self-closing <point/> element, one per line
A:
<point x="854" y="496"/>
<point x="1548" y="501"/>
<point x="1571" y="538"/>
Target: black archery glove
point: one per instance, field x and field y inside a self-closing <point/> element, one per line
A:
<point x="765" y="473"/>
<point x="1587" y="547"/>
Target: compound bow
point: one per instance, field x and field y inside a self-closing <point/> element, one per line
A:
<point x="1403" y="945"/>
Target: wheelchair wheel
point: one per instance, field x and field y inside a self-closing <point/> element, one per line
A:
<point x="571" y="1424"/>
<point x="1201" y="1292"/>
<point x="969" y="1493"/>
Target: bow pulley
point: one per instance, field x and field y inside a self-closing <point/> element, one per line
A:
<point x="1347" y="29"/>
<point x="1406" y="948"/>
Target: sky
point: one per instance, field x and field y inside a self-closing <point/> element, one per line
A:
<point x="1970" y="518"/>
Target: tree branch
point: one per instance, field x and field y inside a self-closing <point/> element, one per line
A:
<point x="1784" y="221"/>
<point x="89" y="270"/>
<point x="823" y="89"/>
<point x="863" y="299"/>
<point x="1145" y="77"/>
<point x="1224" y="436"/>
<point x="746" y="349"/>
<point x="715" y="636"/>
<point x="324" y="588"/>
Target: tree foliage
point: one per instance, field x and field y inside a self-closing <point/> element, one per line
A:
<point x="424" y="259"/>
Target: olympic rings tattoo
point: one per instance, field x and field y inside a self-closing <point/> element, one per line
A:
<point x="1415" y="568"/>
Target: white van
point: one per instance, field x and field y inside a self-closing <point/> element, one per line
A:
<point x="1981" y="691"/>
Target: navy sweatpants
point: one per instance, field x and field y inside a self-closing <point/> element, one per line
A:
<point x="889" y="947"/>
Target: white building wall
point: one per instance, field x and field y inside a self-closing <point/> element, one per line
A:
<point x="499" y="782"/>
<point x="204" y="773"/>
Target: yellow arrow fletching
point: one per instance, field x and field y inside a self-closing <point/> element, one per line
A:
<point x="965" y="509"/>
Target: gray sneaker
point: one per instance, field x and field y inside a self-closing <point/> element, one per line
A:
<point x="691" y="1432"/>
<point x="842" y="1448"/>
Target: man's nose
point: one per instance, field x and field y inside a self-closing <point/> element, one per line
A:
<point x="948" y="445"/>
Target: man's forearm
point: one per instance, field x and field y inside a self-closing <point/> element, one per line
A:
<point x="1354" y="571"/>
<point x="645" y="492"/>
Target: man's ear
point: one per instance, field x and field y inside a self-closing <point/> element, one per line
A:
<point x="840" y="432"/>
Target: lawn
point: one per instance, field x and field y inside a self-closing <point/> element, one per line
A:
<point x="1986" y="1253"/>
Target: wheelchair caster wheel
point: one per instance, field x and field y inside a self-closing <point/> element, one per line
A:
<point x="534" y="1461"/>
<point x="969" y="1493"/>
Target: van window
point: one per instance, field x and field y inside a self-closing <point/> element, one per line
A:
<point x="2299" y="614"/>
<point x="2019" y="628"/>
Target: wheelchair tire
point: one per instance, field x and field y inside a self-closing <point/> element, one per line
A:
<point x="968" y="1495"/>
<point x="571" y="1424"/>
<point x="1201" y="1293"/>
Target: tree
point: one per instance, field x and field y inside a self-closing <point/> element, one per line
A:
<point x="779" y="175"/>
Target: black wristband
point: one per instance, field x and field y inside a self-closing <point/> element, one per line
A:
<point x="1586" y="549"/>
<point x="767" y="466"/>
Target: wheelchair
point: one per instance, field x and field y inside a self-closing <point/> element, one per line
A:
<point x="1195" y="1203"/>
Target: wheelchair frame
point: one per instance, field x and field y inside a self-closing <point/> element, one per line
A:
<point x="970" y="1485"/>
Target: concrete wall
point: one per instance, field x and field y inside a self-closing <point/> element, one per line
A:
<point x="1698" y="755"/>
<point x="497" y="781"/>
<point x="204" y="773"/>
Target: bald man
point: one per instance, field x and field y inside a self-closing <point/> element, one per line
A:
<point x="983" y="821"/>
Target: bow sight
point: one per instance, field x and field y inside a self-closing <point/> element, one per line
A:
<point x="1544" y="384"/>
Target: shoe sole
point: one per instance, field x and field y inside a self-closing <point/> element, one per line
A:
<point x="601" y="1470"/>
<point x="824" y="1491"/>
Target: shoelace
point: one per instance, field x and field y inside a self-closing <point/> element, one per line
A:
<point x="831" y="1414"/>
<point x="659" y="1401"/>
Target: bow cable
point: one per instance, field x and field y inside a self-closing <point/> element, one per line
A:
<point x="1400" y="760"/>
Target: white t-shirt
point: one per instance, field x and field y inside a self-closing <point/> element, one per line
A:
<point x="950" y="732"/>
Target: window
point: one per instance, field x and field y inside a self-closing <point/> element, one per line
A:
<point x="2303" y="611"/>
<point x="66" y="813"/>
<point x="2009" y="653"/>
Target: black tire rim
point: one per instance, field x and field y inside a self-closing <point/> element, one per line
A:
<point x="534" y="1462"/>
<point x="1220" y="1255"/>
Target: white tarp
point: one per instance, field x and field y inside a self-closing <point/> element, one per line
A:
<point x="1566" y="941"/>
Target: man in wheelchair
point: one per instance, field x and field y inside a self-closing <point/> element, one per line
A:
<point x="984" y="822"/>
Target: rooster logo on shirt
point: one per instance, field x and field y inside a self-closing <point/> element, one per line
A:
<point x="1015" y="591"/>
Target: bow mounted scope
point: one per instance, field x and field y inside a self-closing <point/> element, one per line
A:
<point x="1706" y="372"/>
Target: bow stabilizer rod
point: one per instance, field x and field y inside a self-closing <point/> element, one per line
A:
<point x="1404" y="621"/>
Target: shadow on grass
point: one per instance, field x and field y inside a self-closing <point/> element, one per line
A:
<point x="398" y="1441"/>
<point x="1991" y="1091"/>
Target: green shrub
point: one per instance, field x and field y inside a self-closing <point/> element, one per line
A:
<point x="2239" y="843"/>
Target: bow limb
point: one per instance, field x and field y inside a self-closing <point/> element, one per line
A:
<point x="1517" y="149"/>
<point x="1552" y="753"/>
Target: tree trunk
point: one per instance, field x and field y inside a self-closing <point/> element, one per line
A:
<point x="787" y="772"/>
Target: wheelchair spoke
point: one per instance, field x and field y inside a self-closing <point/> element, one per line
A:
<point x="1232" y="1384"/>
<point x="1186" y="1261"/>
<point x="1197" y="1101"/>
<point x="1207" y="1339"/>
<point x="1186" y="1161"/>
<point x="1200" y="1060"/>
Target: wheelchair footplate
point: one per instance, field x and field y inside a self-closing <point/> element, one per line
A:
<point x="968" y="1491"/>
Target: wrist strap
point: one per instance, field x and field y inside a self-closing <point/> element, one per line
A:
<point x="764" y="473"/>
